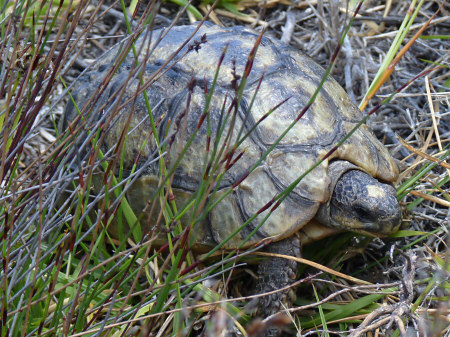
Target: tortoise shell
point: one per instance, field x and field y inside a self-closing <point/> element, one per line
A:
<point x="178" y="77"/>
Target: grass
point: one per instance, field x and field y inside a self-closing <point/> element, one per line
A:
<point x="64" y="274"/>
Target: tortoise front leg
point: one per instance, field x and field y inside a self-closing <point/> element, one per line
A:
<point x="275" y="273"/>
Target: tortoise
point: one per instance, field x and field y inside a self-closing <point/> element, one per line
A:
<point x="349" y="190"/>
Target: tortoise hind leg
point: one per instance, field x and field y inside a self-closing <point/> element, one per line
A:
<point x="275" y="273"/>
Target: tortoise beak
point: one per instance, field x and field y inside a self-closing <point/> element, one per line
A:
<point x="383" y="227"/>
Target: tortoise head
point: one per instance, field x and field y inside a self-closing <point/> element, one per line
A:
<point x="360" y="203"/>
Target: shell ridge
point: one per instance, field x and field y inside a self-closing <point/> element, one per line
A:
<point x="248" y="122"/>
<point x="293" y="195"/>
<point x="244" y="215"/>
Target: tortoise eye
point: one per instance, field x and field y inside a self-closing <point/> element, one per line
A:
<point x="363" y="214"/>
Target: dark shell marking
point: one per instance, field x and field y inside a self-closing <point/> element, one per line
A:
<point x="288" y="74"/>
